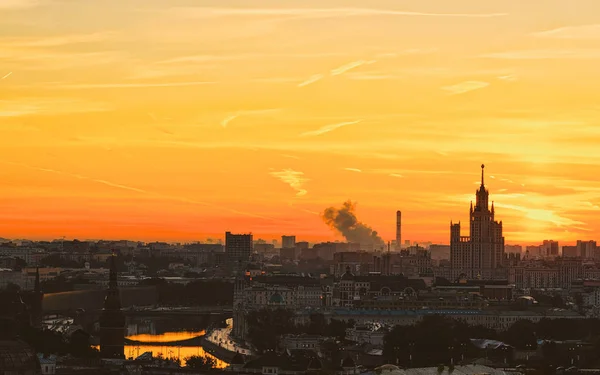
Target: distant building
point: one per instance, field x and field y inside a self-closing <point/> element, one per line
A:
<point x="112" y="319"/>
<point x="273" y="292"/>
<point x="513" y="249"/>
<point x="586" y="249"/>
<point x="289" y="254"/>
<point x="238" y="247"/>
<point x="549" y="248"/>
<point x="569" y="251"/>
<point x="288" y="242"/>
<point x="439" y="251"/>
<point x="264" y="248"/>
<point x="479" y="255"/>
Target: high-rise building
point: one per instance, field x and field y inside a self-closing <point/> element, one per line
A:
<point x="586" y="249"/>
<point x="112" y="319"/>
<point x="549" y="248"/>
<point x="479" y="255"/>
<point x="513" y="249"/>
<point x="398" y="230"/>
<point x="238" y="247"/>
<point x="288" y="242"/>
<point x="569" y="251"/>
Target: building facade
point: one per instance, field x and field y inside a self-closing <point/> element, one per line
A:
<point x="479" y="255"/>
<point x="238" y="247"/>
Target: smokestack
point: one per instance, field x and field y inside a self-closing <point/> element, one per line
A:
<point x="398" y="230"/>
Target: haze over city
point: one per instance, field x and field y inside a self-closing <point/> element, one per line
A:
<point x="179" y="120"/>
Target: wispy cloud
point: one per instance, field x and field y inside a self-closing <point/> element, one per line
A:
<point x="47" y="106"/>
<point x="346" y="67"/>
<point x="253" y="112"/>
<point x="336" y="71"/>
<point x="543" y="215"/>
<point x="370" y="77"/>
<point x="544" y="54"/>
<point x="572" y="32"/>
<point x="290" y="156"/>
<point x="353" y="170"/>
<point x="18" y="4"/>
<point x="396" y="175"/>
<point x="295" y="179"/>
<point x="465" y="87"/>
<point x="55" y="41"/>
<point x="328" y="128"/>
<point x="46" y="59"/>
<point x="508" y="78"/>
<point x="205" y="12"/>
<point x="123" y="85"/>
<point x="227" y="120"/>
<point x="6" y="75"/>
<point x="133" y="189"/>
<point x="312" y="79"/>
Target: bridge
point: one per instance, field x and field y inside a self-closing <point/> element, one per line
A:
<point x="179" y="311"/>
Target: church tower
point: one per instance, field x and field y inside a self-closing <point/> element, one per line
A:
<point x="112" y="319"/>
<point x="37" y="301"/>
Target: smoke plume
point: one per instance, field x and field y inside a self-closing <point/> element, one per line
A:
<point x="344" y="221"/>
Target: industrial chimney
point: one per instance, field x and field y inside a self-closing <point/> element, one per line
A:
<point x="398" y="230"/>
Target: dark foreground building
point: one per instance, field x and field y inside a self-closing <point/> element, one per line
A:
<point x="112" y="320"/>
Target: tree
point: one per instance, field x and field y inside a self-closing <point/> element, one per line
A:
<point x="200" y="363"/>
<point x="521" y="335"/>
<point x="265" y="327"/>
<point x="20" y="264"/>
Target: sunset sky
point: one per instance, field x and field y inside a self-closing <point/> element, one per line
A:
<point x="179" y="120"/>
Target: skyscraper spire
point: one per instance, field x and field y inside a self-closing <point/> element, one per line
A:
<point x="482" y="168"/>
<point x="112" y="319"/>
<point x="112" y="280"/>
<point x="36" y="285"/>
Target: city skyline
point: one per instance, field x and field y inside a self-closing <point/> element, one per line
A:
<point x="178" y="121"/>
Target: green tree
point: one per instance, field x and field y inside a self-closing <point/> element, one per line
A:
<point x="200" y="363"/>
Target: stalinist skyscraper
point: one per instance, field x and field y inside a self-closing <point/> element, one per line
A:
<point x="480" y="255"/>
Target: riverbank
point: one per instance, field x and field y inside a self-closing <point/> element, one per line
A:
<point x="218" y="351"/>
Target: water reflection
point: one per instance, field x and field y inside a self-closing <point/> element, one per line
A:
<point x="166" y="337"/>
<point x="169" y="351"/>
<point x="174" y="352"/>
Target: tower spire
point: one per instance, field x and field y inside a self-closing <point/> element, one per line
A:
<point x="112" y="281"/>
<point x="482" y="168"/>
<point x="36" y="285"/>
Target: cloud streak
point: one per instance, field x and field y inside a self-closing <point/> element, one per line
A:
<point x="206" y="12"/>
<point x="84" y="86"/>
<point x="328" y="128"/>
<point x="572" y="32"/>
<point x="133" y="189"/>
<point x="227" y="120"/>
<point x="464" y="87"/>
<point x="55" y="41"/>
<point x="295" y="179"/>
<point x="6" y="75"/>
<point x="312" y="79"/>
<point x="544" y="54"/>
<point x="344" y="68"/>
<point x="17" y="4"/>
<point x="353" y="170"/>
<point x="46" y="106"/>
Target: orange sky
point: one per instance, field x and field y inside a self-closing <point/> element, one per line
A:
<point x="178" y="120"/>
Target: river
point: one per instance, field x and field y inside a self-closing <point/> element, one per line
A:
<point x="169" y="349"/>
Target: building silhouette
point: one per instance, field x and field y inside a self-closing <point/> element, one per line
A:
<point x="398" y="230"/>
<point x="479" y="255"/>
<point x="112" y="319"/>
<point x="238" y="247"/>
<point x="288" y="242"/>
